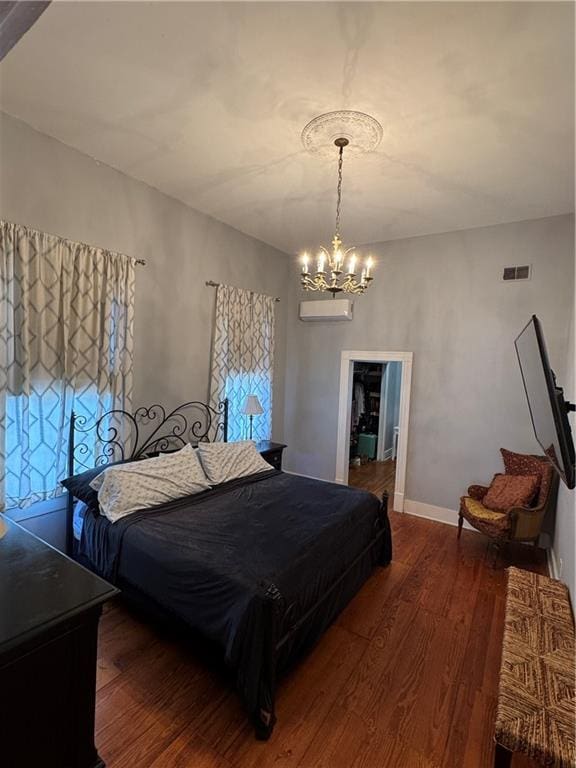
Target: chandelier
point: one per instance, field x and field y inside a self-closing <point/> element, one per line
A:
<point x="338" y="270"/>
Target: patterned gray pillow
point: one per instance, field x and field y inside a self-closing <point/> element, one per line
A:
<point x="143" y="484"/>
<point x="227" y="461"/>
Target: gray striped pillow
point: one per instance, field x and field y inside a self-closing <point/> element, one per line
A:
<point x="227" y="461"/>
<point x="138" y="485"/>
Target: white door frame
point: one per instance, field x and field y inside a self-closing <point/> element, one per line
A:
<point x="382" y="414"/>
<point x="347" y="360"/>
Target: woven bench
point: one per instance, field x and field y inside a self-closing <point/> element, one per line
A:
<point x="536" y="712"/>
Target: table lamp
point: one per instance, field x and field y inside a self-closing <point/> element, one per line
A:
<point x="252" y="408"/>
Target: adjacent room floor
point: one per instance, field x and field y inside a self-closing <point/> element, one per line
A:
<point x="374" y="476"/>
<point x="405" y="678"/>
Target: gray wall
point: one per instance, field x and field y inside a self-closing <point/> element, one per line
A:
<point x="440" y="297"/>
<point x="565" y="532"/>
<point x="49" y="186"/>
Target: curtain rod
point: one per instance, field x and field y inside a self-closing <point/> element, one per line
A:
<point x="212" y="284"/>
<point x="73" y="242"/>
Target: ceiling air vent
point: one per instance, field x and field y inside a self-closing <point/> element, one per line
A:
<point x="517" y="273"/>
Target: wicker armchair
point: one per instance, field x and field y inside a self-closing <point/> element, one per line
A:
<point x="523" y="524"/>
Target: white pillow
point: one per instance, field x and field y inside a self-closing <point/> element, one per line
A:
<point x="127" y="488"/>
<point x="227" y="461"/>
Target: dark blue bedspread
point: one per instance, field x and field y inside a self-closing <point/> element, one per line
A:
<point x="245" y="563"/>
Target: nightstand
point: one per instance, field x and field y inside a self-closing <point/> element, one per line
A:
<point x="272" y="452"/>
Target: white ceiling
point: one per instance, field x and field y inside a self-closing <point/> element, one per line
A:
<point x="206" y="102"/>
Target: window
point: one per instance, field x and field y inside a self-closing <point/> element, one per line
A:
<point x="243" y="358"/>
<point x="37" y="457"/>
<point x="238" y="387"/>
<point x="66" y="340"/>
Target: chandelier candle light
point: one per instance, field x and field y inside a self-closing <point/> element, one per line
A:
<point x="337" y="270"/>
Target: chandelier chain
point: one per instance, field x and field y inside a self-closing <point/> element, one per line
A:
<point x="339" y="196"/>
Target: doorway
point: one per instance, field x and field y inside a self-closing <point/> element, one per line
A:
<point x="373" y="416"/>
<point x="374" y="428"/>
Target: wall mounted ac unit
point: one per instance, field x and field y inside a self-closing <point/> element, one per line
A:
<point x="329" y="309"/>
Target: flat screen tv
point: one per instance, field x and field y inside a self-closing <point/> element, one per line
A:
<point x="548" y="409"/>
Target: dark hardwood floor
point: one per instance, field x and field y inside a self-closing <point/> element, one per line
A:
<point x="374" y="476"/>
<point x="405" y="678"/>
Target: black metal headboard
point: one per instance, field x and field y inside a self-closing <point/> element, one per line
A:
<point x="123" y="436"/>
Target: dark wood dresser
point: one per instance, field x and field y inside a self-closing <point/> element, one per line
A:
<point x="49" y="612"/>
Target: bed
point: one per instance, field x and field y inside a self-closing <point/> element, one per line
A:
<point x="259" y="566"/>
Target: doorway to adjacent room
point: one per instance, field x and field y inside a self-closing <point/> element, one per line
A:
<point x="374" y="428"/>
<point x="373" y="422"/>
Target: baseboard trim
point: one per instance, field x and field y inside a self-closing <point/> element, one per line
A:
<point x="432" y="512"/>
<point x="552" y="562"/>
<point x="312" y="477"/>
<point x="450" y="517"/>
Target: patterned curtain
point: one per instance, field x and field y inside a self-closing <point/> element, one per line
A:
<point x="66" y="343"/>
<point x="243" y="358"/>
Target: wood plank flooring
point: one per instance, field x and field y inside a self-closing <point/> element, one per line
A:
<point x="374" y="476"/>
<point x="405" y="678"/>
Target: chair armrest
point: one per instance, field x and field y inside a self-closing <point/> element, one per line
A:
<point x="530" y="511"/>
<point x="477" y="492"/>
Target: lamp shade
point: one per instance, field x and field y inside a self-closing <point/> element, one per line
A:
<point x="252" y="406"/>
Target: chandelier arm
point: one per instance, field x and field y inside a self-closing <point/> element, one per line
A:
<point x="315" y="283"/>
<point x="347" y="284"/>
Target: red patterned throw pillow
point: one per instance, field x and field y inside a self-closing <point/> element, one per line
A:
<point x="523" y="464"/>
<point x="508" y="491"/>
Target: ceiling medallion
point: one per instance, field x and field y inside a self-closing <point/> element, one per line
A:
<point x="364" y="133"/>
<point x="339" y="270"/>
